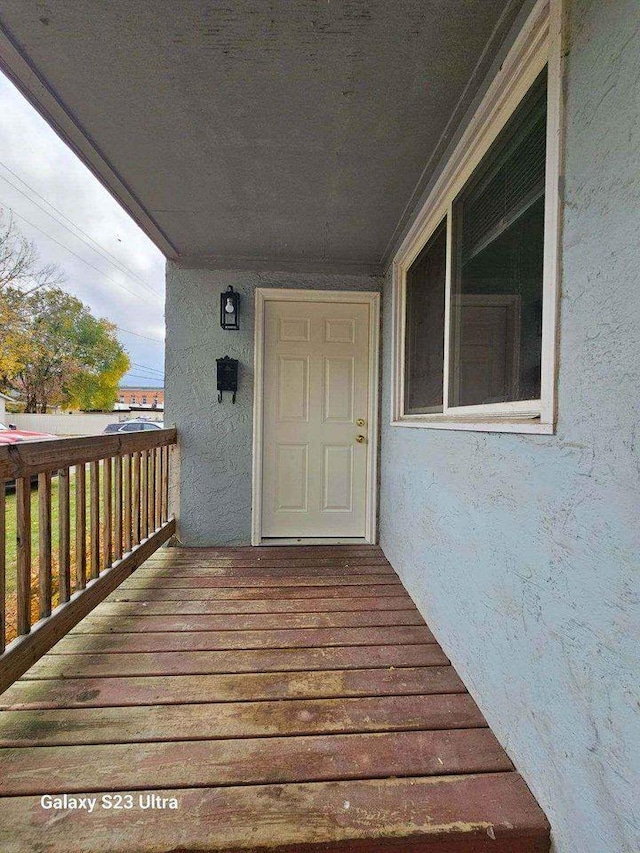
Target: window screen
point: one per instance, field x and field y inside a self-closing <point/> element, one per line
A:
<point x="424" y="328"/>
<point x="496" y="300"/>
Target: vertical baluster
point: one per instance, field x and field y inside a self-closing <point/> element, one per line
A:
<point x="158" y="458"/>
<point x="136" y="498"/>
<point x="144" y="484"/>
<point x="94" y="517"/>
<point x="64" y="540"/>
<point x="44" y="544"/>
<point x="23" y="540"/>
<point x="81" y="526"/>
<point x="128" y="501"/>
<point x="151" y="490"/>
<point x="167" y="475"/>
<point x="117" y="521"/>
<point x="3" y="567"/>
<point x="106" y="512"/>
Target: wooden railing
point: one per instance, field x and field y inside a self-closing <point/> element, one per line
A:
<point x="54" y="572"/>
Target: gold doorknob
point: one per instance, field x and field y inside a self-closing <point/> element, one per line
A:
<point x="359" y="439"/>
<point x="360" y="422"/>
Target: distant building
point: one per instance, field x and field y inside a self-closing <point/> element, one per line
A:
<point x="142" y="397"/>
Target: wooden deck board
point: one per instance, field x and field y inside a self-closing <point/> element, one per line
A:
<point x="273" y="692"/>
<point x="249" y="761"/>
<point x="143" y="620"/>
<point x="206" y="721"/>
<point x="60" y="665"/>
<point x="275" y="581"/>
<point x="154" y="690"/>
<point x="492" y="813"/>
<point x="153" y="592"/>
<point x="175" y="641"/>
<point x="117" y="607"/>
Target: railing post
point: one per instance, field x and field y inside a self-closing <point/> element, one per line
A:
<point x="152" y="490"/>
<point x="128" y="501"/>
<point x="117" y="474"/>
<point x="94" y="517"/>
<point x="106" y="512"/>
<point x="23" y="541"/>
<point x="44" y="543"/>
<point x="144" y="485"/>
<point x="64" y="550"/>
<point x="136" y="497"/>
<point x="158" y="453"/>
<point x="167" y="476"/>
<point x="81" y="526"/>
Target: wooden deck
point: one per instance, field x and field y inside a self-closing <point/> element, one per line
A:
<point x="287" y="699"/>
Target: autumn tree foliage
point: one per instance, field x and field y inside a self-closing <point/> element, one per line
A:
<point x="53" y="351"/>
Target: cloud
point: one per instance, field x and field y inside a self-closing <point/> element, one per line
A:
<point x="63" y="208"/>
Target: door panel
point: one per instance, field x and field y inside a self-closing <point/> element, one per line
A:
<point x="292" y="478"/>
<point x="293" y="389"/>
<point x="338" y="390"/>
<point x="337" y="479"/>
<point x="316" y="375"/>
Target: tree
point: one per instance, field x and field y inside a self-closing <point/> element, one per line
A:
<point x="19" y="263"/>
<point x="53" y="351"/>
<point x="20" y="272"/>
<point x="65" y="355"/>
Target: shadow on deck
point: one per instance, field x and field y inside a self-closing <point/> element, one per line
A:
<point x="284" y="699"/>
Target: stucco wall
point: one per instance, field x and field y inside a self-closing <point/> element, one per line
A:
<point x="523" y="551"/>
<point x="215" y="439"/>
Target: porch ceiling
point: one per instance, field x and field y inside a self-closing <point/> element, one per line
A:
<point x="259" y="132"/>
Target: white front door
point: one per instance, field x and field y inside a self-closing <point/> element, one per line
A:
<point x="316" y="400"/>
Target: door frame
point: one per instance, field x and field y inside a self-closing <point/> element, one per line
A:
<point x="273" y="294"/>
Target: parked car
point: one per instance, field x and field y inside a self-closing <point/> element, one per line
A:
<point x="12" y="435"/>
<point x="134" y="425"/>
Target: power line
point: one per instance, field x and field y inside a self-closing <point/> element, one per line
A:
<point x="147" y="367"/>
<point x="138" y="335"/>
<point x="75" y="254"/>
<point x="96" y="247"/>
<point x="147" y="373"/>
<point x="145" y="379"/>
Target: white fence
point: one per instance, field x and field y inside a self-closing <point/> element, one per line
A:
<point x="76" y="424"/>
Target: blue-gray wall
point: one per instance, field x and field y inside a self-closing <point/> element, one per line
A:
<point x="215" y="439"/>
<point x="523" y="551"/>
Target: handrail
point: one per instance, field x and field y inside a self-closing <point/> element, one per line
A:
<point x="34" y="457"/>
<point x="126" y="493"/>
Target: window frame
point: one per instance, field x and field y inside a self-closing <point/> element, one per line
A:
<point x="539" y="44"/>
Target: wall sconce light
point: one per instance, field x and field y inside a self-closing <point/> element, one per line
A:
<point x="229" y="305"/>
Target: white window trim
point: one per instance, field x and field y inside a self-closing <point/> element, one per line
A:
<point x="538" y="44"/>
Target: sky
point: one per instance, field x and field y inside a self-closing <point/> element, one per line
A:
<point x="107" y="261"/>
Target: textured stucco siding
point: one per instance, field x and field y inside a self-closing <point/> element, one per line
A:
<point x="215" y="439"/>
<point x="523" y="551"/>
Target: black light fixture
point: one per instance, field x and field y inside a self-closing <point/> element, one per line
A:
<point x="229" y="305"/>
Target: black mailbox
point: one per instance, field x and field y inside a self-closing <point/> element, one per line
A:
<point x="227" y="376"/>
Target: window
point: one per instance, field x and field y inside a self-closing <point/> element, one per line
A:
<point x="133" y="398"/>
<point x="424" y="337"/>
<point x="498" y="239"/>
<point x="144" y="401"/>
<point x="475" y="281"/>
